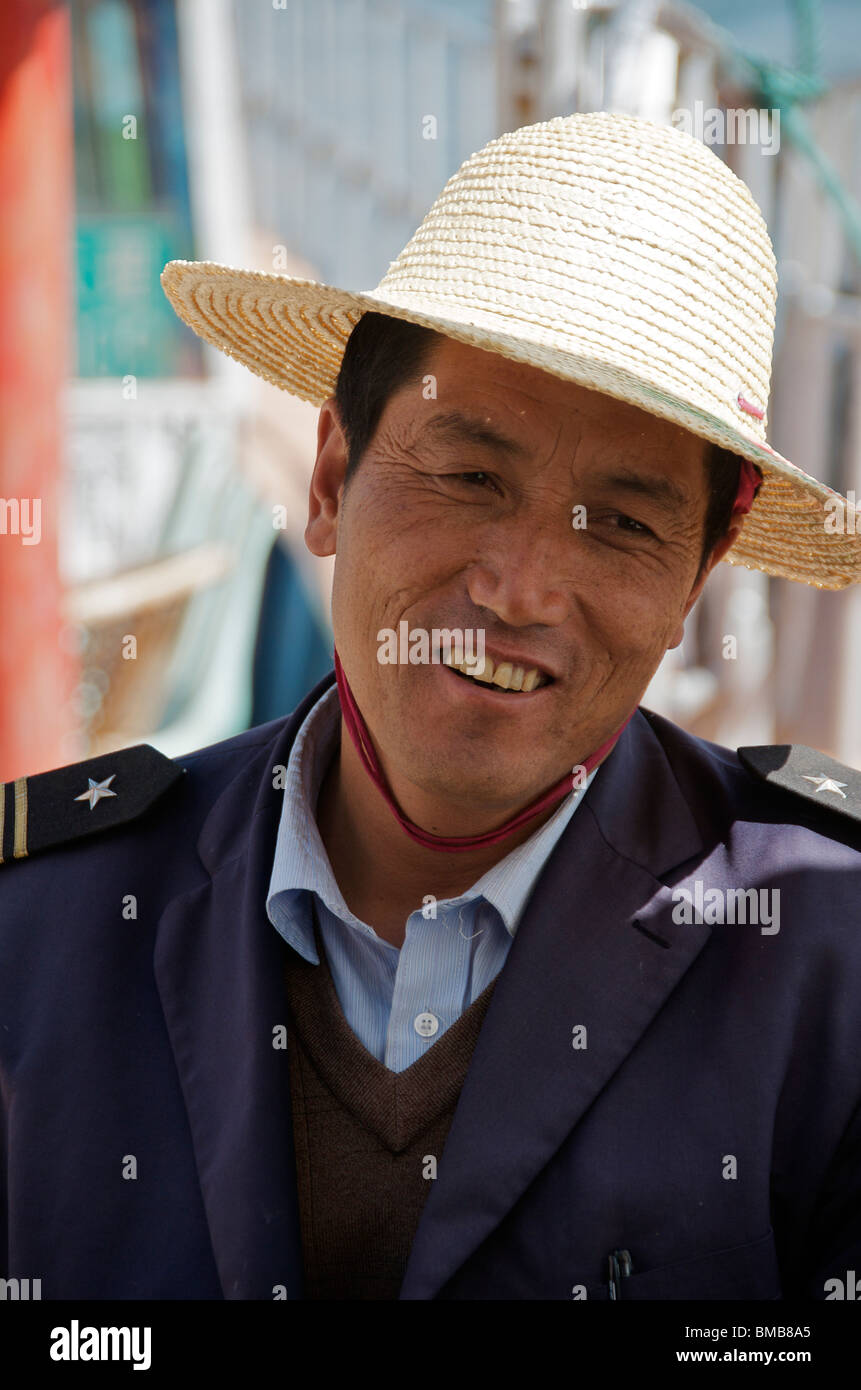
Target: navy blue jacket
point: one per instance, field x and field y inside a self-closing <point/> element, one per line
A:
<point x="710" y="1127"/>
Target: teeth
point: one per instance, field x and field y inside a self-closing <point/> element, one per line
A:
<point x="481" y="671"/>
<point x="503" y="674"/>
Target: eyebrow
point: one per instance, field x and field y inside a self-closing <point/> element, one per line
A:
<point x="662" y="489"/>
<point x="455" y="426"/>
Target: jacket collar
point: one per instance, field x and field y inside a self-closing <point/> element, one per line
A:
<point x="577" y="959"/>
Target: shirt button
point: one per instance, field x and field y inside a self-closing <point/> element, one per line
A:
<point x="426" y="1025"/>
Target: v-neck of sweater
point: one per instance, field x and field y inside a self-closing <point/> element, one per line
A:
<point x="395" y="1106"/>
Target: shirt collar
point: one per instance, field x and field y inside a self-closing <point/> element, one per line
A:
<point x="301" y="861"/>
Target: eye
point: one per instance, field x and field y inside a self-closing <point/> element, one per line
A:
<point x="477" y="479"/>
<point x="636" y="527"/>
<point x="605" y="526"/>
<point x="619" y="522"/>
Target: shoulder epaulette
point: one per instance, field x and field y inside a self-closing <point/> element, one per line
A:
<point x="808" y="773"/>
<point x="69" y="803"/>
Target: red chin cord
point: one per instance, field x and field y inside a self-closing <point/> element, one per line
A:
<point x="450" y="843"/>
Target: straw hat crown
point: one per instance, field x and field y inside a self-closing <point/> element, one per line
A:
<point x="628" y="244"/>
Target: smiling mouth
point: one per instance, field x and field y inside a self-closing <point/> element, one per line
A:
<point x="502" y="675"/>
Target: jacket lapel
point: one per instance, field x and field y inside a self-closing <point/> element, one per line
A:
<point x="577" y="961"/>
<point x="219" y="967"/>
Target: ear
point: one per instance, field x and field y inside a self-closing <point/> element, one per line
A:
<point x="717" y="554"/>
<point x="327" y="482"/>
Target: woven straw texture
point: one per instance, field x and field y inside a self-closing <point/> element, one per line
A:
<point x="601" y="248"/>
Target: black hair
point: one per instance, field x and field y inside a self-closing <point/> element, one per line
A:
<point x="384" y="353"/>
<point x="723" y="469"/>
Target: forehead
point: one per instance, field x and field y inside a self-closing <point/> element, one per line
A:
<point x="484" y="397"/>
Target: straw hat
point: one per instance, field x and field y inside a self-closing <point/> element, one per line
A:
<point x="602" y="248"/>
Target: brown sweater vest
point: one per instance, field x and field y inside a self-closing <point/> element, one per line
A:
<point x="363" y="1136"/>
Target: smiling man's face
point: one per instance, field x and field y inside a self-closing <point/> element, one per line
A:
<point x="449" y="526"/>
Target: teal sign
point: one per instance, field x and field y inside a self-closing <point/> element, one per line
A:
<point x="125" y="324"/>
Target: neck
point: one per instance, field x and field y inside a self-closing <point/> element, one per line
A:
<point x="383" y="873"/>
<point x="384" y="862"/>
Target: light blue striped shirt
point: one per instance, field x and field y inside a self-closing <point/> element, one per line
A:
<point x="397" y="1000"/>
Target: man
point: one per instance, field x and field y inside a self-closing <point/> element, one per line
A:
<point x="482" y="983"/>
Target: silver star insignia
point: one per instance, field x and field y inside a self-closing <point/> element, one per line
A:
<point x="97" y="790"/>
<point x="827" y="784"/>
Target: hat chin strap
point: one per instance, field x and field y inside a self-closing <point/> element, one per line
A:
<point x="450" y="844"/>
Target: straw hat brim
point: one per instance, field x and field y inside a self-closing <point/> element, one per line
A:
<point x="292" y="332"/>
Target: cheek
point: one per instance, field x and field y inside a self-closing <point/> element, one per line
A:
<point x="406" y="536"/>
<point x="386" y="564"/>
<point x="634" y="609"/>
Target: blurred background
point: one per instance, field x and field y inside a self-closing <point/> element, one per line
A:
<point x="154" y="584"/>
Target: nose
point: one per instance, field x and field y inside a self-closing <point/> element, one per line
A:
<point x="519" y="573"/>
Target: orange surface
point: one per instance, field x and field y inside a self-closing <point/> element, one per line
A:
<point x="37" y="676"/>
